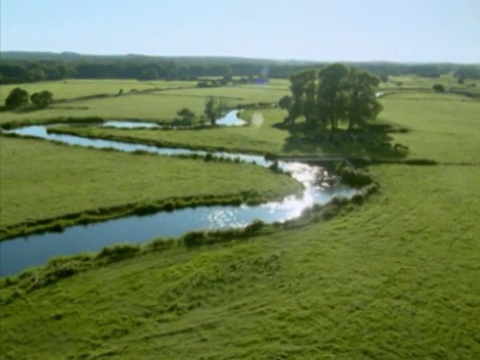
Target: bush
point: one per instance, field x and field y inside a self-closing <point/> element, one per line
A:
<point x="438" y="88"/>
<point x="270" y="156"/>
<point x="42" y="99"/>
<point x="118" y="252"/>
<point x="208" y="157"/>
<point x="160" y="244"/>
<point x="354" y="178"/>
<point x="18" y="97"/>
<point x="274" y="166"/>
<point x="254" y="227"/>
<point x="358" y="199"/>
<point x="194" y="238"/>
<point x="420" y="162"/>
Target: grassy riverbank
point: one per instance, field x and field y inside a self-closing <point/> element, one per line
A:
<point x="147" y="100"/>
<point x="395" y="278"/>
<point x="437" y="127"/>
<point x="42" y="181"/>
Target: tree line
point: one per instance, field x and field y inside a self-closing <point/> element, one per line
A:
<point x="18" y="98"/>
<point x="332" y="95"/>
<point x="23" y="68"/>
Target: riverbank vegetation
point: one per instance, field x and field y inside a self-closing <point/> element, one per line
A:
<point x="394" y="278"/>
<point x="70" y="181"/>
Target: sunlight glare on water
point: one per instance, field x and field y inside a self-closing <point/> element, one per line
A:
<point x="22" y="252"/>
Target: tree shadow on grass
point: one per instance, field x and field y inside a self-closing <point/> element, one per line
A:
<point x="373" y="143"/>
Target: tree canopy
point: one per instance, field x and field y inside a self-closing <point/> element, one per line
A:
<point x="42" y="99"/>
<point x="21" y="67"/>
<point x="186" y="115"/>
<point x="214" y="108"/>
<point x="331" y="95"/>
<point x="18" y="97"/>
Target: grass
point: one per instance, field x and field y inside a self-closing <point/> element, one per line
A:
<point x="444" y="126"/>
<point x="441" y="127"/>
<point x="139" y="106"/>
<point x="72" y="89"/>
<point x="63" y="180"/>
<point x="259" y="138"/>
<point x="395" y="278"/>
<point x="161" y="105"/>
<point x="237" y="94"/>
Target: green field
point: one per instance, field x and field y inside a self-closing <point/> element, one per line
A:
<point x="151" y="105"/>
<point x="394" y="278"/>
<point x="72" y="88"/>
<point x="61" y="180"/>
<point x="441" y="127"/>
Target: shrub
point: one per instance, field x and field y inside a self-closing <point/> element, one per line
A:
<point x="208" y="157"/>
<point x="169" y="205"/>
<point x="329" y="212"/>
<point x="42" y="99"/>
<point x="339" y="201"/>
<point x="420" y="162"/>
<point x="160" y="244"/>
<point x="194" y="238"/>
<point x="370" y="189"/>
<point x="146" y="209"/>
<point x="358" y="199"/>
<point x="18" y="97"/>
<point x="354" y="178"/>
<point x="118" y="252"/>
<point x="439" y="88"/>
<point x="270" y="156"/>
<point x="274" y="166"/>
<point x="254" y="227"/>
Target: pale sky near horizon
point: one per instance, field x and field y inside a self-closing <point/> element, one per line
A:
<point x="343" y="30"/>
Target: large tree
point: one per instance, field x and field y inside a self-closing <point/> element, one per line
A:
<point x="42" y="99"/>
<point x="333" y="94"/>
<point x="18" y="97"/>
<point x="214" y="109"/>
<point x="361" y="103"/>
<point x="301" y="88"/>
<point x="187" y="116"/>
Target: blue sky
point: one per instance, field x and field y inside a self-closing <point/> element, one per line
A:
<point x="344" y="30"/>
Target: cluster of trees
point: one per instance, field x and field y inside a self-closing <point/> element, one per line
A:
<point x="467" y="72"/>
<point x="214" y="109"/>
<point x="19" y="97"/>
<point x="228" y="79"/>
<point x="331" y="95"/>
<point x="439" y="88"/>
<point x="23" y="72"/>
<point x="30" y="67"/>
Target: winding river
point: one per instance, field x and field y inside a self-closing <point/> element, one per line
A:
<point x="20" y="253"/>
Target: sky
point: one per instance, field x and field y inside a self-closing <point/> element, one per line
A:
<point x="333" y="30"/>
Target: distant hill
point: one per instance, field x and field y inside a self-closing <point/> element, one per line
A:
<point x="27" y="66"/>
<point x="72" y="56"/>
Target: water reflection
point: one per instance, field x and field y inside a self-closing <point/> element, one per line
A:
<point x="129" y="125"/>
<point x="231" y="119"/>
<point x="22" y="252"/>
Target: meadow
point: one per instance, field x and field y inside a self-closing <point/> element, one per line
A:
<point x="147" y="100"/>
<point x="394" y="278"/>
<point x="58" y="180"/>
